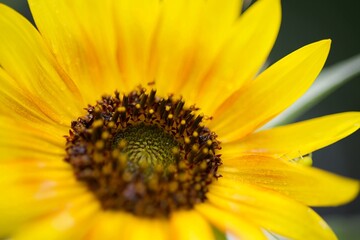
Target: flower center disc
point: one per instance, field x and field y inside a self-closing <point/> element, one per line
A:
<point x="147" y="146"/>
<point x="143" y="154"/>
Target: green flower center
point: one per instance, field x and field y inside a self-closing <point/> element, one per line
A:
<point x="143" y="154"/>
<point x="147" y="146"/>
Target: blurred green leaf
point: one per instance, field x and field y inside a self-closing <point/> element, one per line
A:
<point x="219" y="235"/>
<point x="346" y="228"/>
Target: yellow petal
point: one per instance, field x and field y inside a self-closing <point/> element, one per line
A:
<point x="182" y="56"/>
<point x="108" y="225"/>
<point x="269" y="210"/>
<point x="27" y="170"/>
<point x="220" y="14"/>
<point x="294" y="140"/>
<point x="84" y="45"/>
<point x="242" y="55"/>
<point x="21" y="205"/>
<point x="186" y="225"/>
<point x="308" y="185"/>
<point x="141" y="228"/>
<point x="175" y="47"/>
<point x="16" y="104"/>
<point x="29" y="70"/>
<point x="227" y="222"/>
<point x="112" y="49"/>
<point x="270" y="93"/>
<point x="136" y="22"/>
<point x="71" y="222"/>
<point x="27" y="139"/>
<point x="31" y="188"/>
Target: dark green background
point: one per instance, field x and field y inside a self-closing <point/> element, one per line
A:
<point x="305" y="22"/>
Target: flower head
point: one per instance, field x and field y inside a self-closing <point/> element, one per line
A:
<point x="130" y="119"/>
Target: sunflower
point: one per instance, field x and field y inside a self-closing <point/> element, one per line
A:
<point x="138" y="119"/>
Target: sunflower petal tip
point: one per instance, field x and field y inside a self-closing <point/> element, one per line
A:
<point x="325" y="44"/>
<point x="355" y="191"/>
<point x="327" y="40"/>
<point x="321" y="46"/>
<point x="350" y="189"/>
<point x="355" y="116"/>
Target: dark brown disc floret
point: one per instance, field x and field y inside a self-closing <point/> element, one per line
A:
<point x="143" y="154"/>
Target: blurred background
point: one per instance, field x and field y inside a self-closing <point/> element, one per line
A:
<point x="304" y="22"/>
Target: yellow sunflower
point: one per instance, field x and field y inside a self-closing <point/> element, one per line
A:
<point x="137" y="119"/>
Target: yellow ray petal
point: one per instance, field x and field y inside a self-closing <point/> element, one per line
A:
<point x="229" y="223"/>
<point x="16" y="104"/>
<point x="174" y="47"/>
<point x="34" y="170"/>
<point x="270" y="93"/>
<point x="183" y="54"/>
<point x="294" y="140"/>
<point x="108" y="225"/>
<point x="269" y="210"/>
<point x="112" y="49"/>
<point x="308" y="185"/>
<point x="25" y="139"/>
<point x="185" y="225"/>
<point x="141" y="228"/>
<point x="22" y="205"/>
<point x="220" y="14"/>
<point x="241" y="56"/>
<point x="32" y="72"/>
<point x="86" y="46"/>
<point x="30" y="188"/>
<point x="135" y="26"/>
<point x="71" y="222"/>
